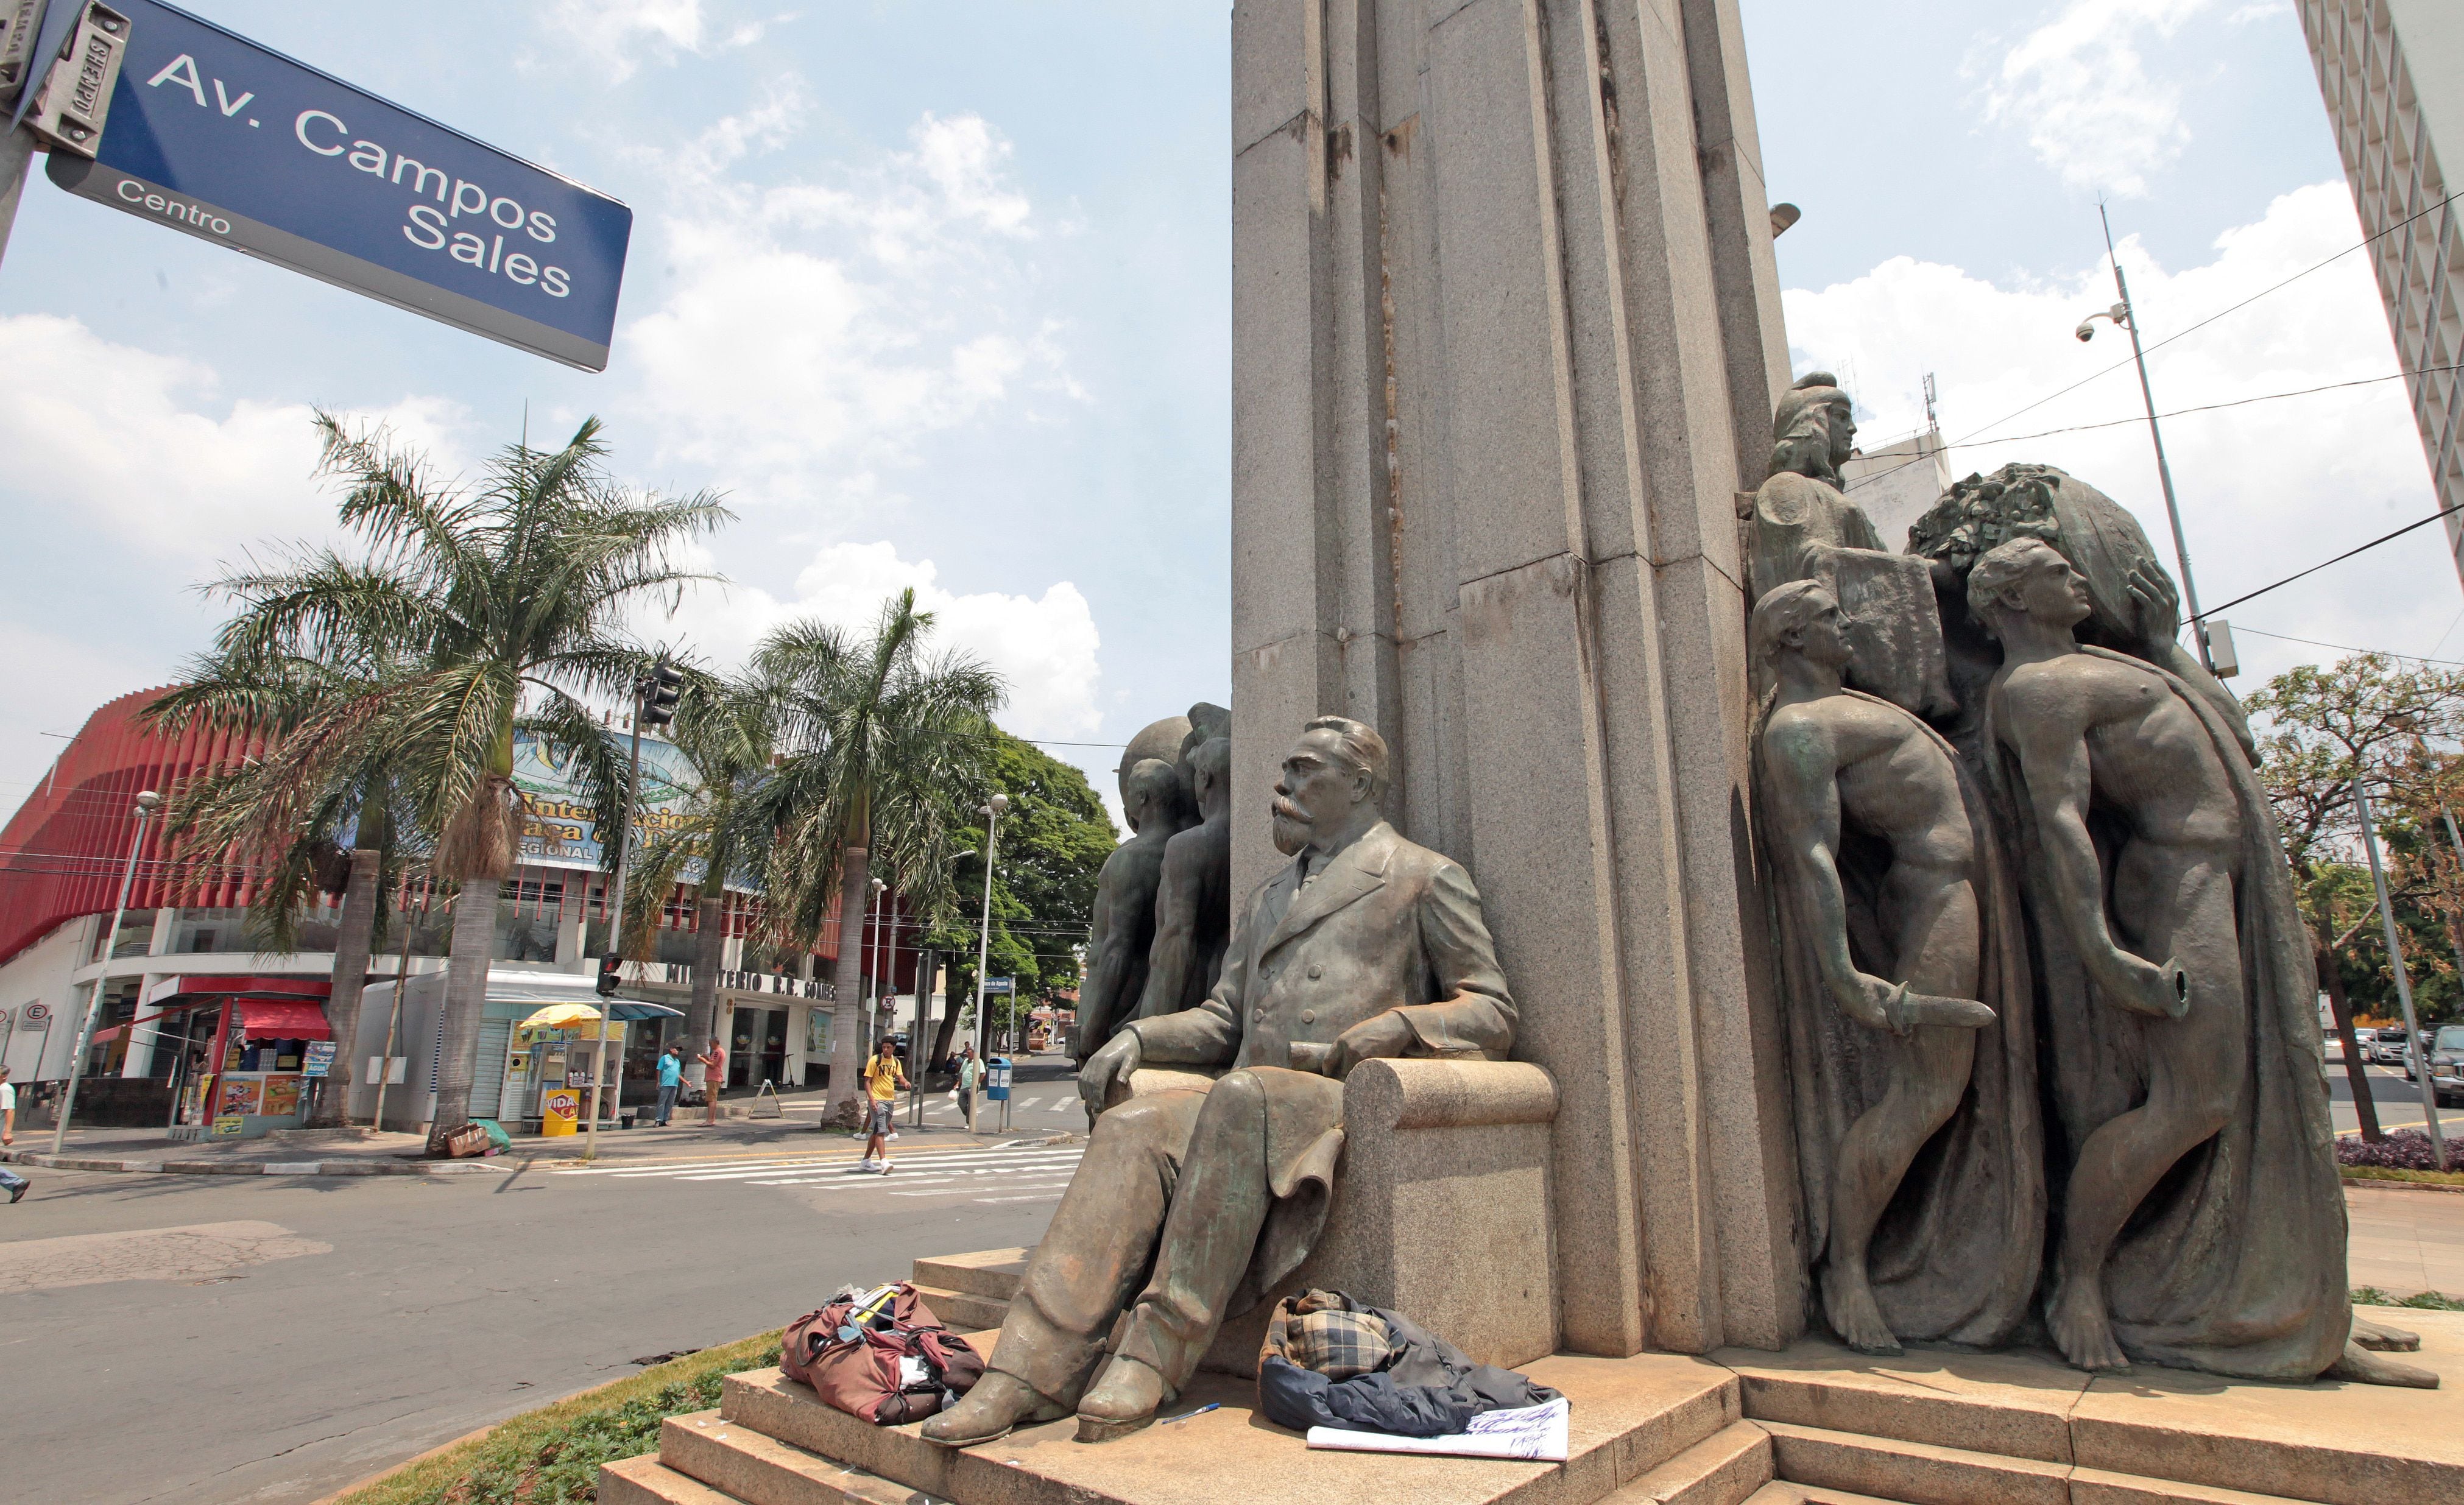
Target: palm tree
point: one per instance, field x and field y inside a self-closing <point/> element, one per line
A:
<point x="496" y="606"/>
<point x="726" y="728"/>
<point x="279" y="812"/>
<point x="877" y="737"/>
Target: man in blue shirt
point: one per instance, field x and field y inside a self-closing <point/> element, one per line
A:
<point x="671" y="1076"/>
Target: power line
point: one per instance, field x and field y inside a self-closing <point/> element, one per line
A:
<point x="2347" y="648"/>
<point x="2338" y="559"/>
<point x="2217" y="315"/>
<point x="1969" y="439"/>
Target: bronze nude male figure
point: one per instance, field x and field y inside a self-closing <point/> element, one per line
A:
<point x="1366" y="946"/>
<point x="1830" y="763"/>
<point x="2202" y="1224"/>
<point x="1192" y="908"/>
<point x="1125" y="902"/>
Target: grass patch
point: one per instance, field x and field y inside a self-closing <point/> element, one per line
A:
<point x="2430" y="1178"/>
<point x="2423" y="1301"/>
<point x="551" y="1456"/>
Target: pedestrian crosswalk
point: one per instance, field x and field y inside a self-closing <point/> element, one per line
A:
<point x="1039" y="1109"/>
<point x="996" y="1175"/>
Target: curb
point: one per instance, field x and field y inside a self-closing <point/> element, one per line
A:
<point x="496" y="1165"/>
<point x="2449" y="1187"/>
<point x="45" y="1161"/>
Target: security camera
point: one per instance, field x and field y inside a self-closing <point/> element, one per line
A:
<point x="2086" y="329"/>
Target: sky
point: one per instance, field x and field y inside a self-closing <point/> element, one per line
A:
<point x="939" y="296"/>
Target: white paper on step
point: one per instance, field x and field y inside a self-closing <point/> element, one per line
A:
<point x="1533" y="1432"/>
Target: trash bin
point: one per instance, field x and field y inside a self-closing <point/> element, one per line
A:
<point x="996" y="1078"/>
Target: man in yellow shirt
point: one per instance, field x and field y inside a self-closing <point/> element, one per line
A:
<point x="882" y="1080"/>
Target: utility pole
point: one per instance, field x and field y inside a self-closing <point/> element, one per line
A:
<point x="2413" y="1052"/>
<point x="2124" y="315"/>
<point x="655" y="700"/>
<point x="992" y="814"/>
<point x="145" y="803"/>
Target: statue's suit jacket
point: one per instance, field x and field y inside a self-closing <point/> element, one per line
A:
<point x="1382" y="925"/>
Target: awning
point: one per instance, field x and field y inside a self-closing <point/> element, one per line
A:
<point x="280" y="1019"/>
<point x="207" y="987"/>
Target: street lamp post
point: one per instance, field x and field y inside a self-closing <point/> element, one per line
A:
<point x="147" y="802"/>
<point x="2123" y="314"/>
<point x="992" y="814"/>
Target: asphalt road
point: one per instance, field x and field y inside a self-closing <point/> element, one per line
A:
<point x="212" y="1339"/>
<point x="2398" y="1102"/>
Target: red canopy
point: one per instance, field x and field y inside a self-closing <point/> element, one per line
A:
<point x="281" y="1019"/>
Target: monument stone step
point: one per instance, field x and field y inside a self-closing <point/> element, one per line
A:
<point x="647" y="1481"/>
<point x="2163" y="1433"/>
<point x="992" y="1273"/>
<point x="742" y="1466"/>
<point x="961" y="1311"/>
<point x="1786" y="1492"/>
<point x="1724" y="1468"/>
<point x="1920" y="1473"/>
<point x="1630" y="1417"/>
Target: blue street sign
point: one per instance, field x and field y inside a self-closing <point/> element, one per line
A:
<point x="998" y="984"/>
<point x="213" y="135"/>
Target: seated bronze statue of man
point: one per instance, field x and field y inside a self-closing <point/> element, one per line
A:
<point x="1365" y="946"/>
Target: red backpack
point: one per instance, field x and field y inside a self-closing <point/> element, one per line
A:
<point x="880" y="1354"/>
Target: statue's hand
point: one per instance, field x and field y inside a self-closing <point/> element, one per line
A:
<point x="1108" y="1069"/>
<point x="2160" y="604"/>
<point x="2142" y="987"/>
<point x="1871" y="1002"/>
<point x="1381" y="1034"/>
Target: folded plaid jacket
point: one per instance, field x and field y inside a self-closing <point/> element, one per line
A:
<point x="1419" y="1386"/>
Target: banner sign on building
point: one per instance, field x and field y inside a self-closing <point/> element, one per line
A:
<point x="217" y="137"/>
<point x="563" y="830"/>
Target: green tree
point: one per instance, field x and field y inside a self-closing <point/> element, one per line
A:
<point x="480" y="609"/>
<point x="286" y="814"/>
<point x="1053" y="842"/>
<point x="880" y="741"/>
<point x="2322" y="728"/>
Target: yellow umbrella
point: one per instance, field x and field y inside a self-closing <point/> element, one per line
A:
<point x="561" y="1017"/>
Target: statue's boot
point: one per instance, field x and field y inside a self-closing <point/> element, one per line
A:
<point x="1124" y="1399"/>
<point x="2359" y="1366"/>
<point x="999" y="1404"/>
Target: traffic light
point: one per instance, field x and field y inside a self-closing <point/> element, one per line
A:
<point x="660" y="688"/>
<point x="609" y="966"/>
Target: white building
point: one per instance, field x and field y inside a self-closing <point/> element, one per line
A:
<point x="2392" y="74"/>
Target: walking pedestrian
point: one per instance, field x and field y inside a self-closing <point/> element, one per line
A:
<point x="882" y="1077"/>
<point x="14" y="1183"/>
<point x="714" y="1063"/>
<point x="672" y="1080"/>
<point x="971" y="1071"/>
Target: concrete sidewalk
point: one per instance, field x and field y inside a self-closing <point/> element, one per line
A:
<point x="360" y="1152"/>
<point x="2405" y="1241"/>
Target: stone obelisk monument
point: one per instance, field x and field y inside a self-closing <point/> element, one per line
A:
<point x="1507" y="339"/>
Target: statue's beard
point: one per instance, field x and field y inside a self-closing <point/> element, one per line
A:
<point x="1292" y="827"/>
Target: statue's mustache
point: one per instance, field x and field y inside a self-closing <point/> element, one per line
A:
<point x="1286" y="810"/>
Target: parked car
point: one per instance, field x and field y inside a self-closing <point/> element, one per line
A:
<point x="2446" y="1052"/>
<point x="2386" y="1048"/>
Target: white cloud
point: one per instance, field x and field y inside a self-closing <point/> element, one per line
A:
<point x="2079" y="89"/>
<point x="2265" y="488"/>
<point x="1045" y="646"/>
<point x="618" y="34"/>
<point x="135" y="437"/>
<point x="817" y="330"/>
